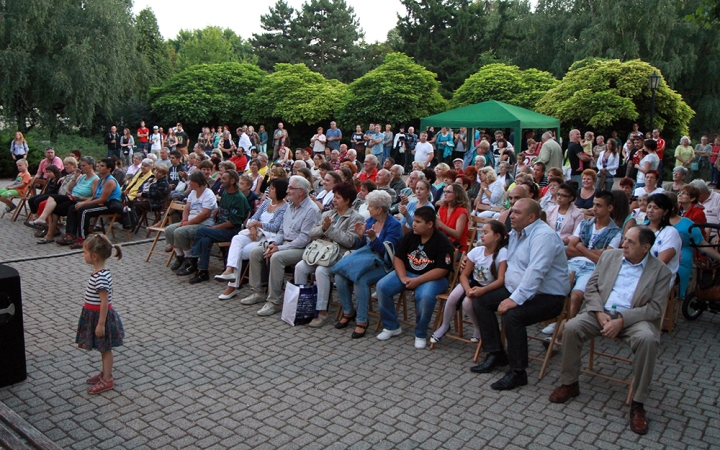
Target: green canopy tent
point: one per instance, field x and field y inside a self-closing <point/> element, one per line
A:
<point x="493" y="114"/>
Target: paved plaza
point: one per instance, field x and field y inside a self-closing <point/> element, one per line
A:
<point x="196" y="372"/>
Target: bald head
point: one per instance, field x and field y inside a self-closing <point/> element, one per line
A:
<point x="524" y="212"/>
<point x="575" y="136"/>
<point x="517" y="193"/>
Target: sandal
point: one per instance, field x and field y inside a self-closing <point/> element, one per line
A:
<point x="95" y="378"/>
<point x="45" y="241"/>
<point x="434" y="339"/>
<point x="350" y="317"/>
<point x="101" y="386"/>
<point x="364" y="326"/>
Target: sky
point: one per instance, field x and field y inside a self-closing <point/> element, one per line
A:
<point x="376" y="17"/>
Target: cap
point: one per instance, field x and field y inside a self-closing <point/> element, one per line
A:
<point x="458" y="159"/>
<point x="155" y="127"/>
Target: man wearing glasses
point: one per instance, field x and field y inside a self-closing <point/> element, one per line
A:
<point x="285" y="250"/>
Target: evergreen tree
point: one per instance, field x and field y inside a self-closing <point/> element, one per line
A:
<point x="278" y="44"/>
<point x="152" y="47"/>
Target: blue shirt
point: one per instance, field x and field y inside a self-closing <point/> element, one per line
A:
<point x="536" y="263"/>
<point x="378" y="148"/>
<point x="335" y="145"/>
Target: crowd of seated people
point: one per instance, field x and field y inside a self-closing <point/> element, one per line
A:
<point x="402" y="233"/>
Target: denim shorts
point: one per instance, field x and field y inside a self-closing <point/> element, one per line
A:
<point x="583" y="269"/>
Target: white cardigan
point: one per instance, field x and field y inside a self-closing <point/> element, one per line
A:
<point x="612" y="164"/>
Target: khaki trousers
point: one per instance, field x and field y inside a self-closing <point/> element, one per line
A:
<point x="642" y="337"/>
<point x="275" y="274"/>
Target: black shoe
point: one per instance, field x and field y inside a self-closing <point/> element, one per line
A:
<point x="179" y="260"/>
<point x="189" y="267"/>
<point x="492" y="361"/>
<point x="511" y="380"/>
<point x="363" y="326"/>
<point x="200" y="276"/>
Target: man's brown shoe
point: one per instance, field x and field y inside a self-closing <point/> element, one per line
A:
<point x="638" y="422"/>
<point x="564" y="392"/>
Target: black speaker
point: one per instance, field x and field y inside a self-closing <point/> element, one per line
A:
<point x="12" y="339"/>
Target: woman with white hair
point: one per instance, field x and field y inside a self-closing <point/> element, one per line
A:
<point x="684" y="153"/>
<point x="491" y="188"/>
<point x="379" y="229"/>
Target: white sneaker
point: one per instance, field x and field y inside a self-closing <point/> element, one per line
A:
<point x="420" y="342"/>
<point x="268" y="309"/>
<point x="227" y="296"/>
<point x="549" y="330"/>
<point x="252" y="299"/>
<point x="387" y="334"/>
<point x="225" y="277"/>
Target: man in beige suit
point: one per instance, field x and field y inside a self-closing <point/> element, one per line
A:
<point x="625" y="298"/>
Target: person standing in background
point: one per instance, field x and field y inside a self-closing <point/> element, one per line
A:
<point x="143" y="135"/>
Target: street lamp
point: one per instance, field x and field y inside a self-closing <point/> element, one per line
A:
<point x="654" y="80"/>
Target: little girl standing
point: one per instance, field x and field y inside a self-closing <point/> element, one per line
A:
<point x="487" y="265"/>
<point x="100" y="327"/>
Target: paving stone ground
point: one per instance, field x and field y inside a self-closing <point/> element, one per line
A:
<point x="199" y="373"/>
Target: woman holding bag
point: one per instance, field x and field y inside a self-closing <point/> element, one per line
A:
<point x="262" y="226"/>
<point x="338" y="226"/>
<point x="369" y="264"/>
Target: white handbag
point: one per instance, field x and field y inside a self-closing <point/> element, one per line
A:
<point x="321" y="253"/>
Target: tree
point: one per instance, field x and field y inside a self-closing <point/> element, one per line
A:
<point x="294" y="94"/>
<point x="207" y="93"/>
<point x="211" y="45"/>
<point x="278" y="43"/>
<point x="396" y="92"/>
<point x="609" y="93"/>
<point x="504" y="83"/>
<point x="58" y="68"/>
<point x="152" y="47"/>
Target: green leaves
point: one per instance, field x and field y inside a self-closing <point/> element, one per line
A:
<point x="605" y="94"/>
<point x="208" y="93"/>
<point x="294" y="94"/>
<point x="396" y="92"/>
<point x="506" y="84"/>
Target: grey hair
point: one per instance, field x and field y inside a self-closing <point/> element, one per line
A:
<point x="302" y="183"/>
<point x="400" y="169"/>
<point x="372" y="158"/>
<point x="263" y="157"/>
<point x="88" y="160"/>
<point x="505" y="164"/>
<point x="700" y="184"/>
<point x="148" y="162"/>
<point x="419" y="173"/>
<point x="352" y="150"/>
<point x="480" y="158"/>
<point x="547" y="135"/>
<point x="681" y="169"/>
<point x="379" y="199"/>
<point x="301" y="164"/>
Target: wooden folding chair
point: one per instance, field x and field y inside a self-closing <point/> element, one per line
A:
<point x="591" y="368"/>
<point x="551" y="346"/>
<point x="174" y="206"/>
<point x="109" y="228"/>
<point x="29" y="193"/>
<point x="672" y="307"/>
<point x="442" y="298"/>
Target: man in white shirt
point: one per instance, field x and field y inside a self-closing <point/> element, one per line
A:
<point x="156" y="141"/>
<point x="625" y="298"/>
<point x="424" y="151"/>
<point x="318" y="142"/>
<point x="244" y="140"/>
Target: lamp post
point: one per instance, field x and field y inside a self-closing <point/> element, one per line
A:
<point x="654" y="80"/>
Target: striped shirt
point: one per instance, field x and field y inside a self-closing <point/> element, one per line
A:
<point x="99" y="281"/>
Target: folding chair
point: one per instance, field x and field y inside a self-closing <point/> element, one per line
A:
<point x="551" y="346"/>
<point x="442" y="300"/>
<point x="672" y="307"/>
<point x="174" y="206"/>
<point x="109" y="228"/>
<point x="29" y="193"/>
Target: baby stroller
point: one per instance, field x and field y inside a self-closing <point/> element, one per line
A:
<point x="706" y="294"/>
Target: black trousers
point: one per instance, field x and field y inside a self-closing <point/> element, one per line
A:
<point x="540" y="307"/>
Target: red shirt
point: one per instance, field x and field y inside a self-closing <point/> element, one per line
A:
<point x="451" y="221"/>
<point x="696" y="213"/>
<point x="660" y="148"/>
<point x="240" y="162"/>
<point x="144" y="131"/>
<point x="364" y="176"/>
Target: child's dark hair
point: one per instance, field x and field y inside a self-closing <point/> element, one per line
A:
<point x="497" y="227"/>
<point x="99" y="244"/>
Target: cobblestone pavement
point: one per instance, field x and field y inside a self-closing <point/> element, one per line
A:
<point x="199" y="373"/>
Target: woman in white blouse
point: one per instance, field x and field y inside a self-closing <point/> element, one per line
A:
<point x="324" y="199"/>
<point x="607" y="165"/>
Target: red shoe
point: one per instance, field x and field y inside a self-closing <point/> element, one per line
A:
<point x="101" y="386"/>
<point x="78" y="244"/>
<point x="95" y="378"/>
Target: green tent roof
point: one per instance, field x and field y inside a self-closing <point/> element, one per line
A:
<point x="490" y="114"/>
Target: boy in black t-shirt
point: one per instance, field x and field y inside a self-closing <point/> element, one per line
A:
<point x="422" y="261"/>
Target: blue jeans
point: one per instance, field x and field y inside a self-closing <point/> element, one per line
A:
<point x="205" y="238"/>
<point x="362" y="292"/>
<point x="386" y="153"/>
<point x="583" y="270"/>
<point x="114" y="153"/>
<point x="425" y="297"/>
<point x="143" y="147"/>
